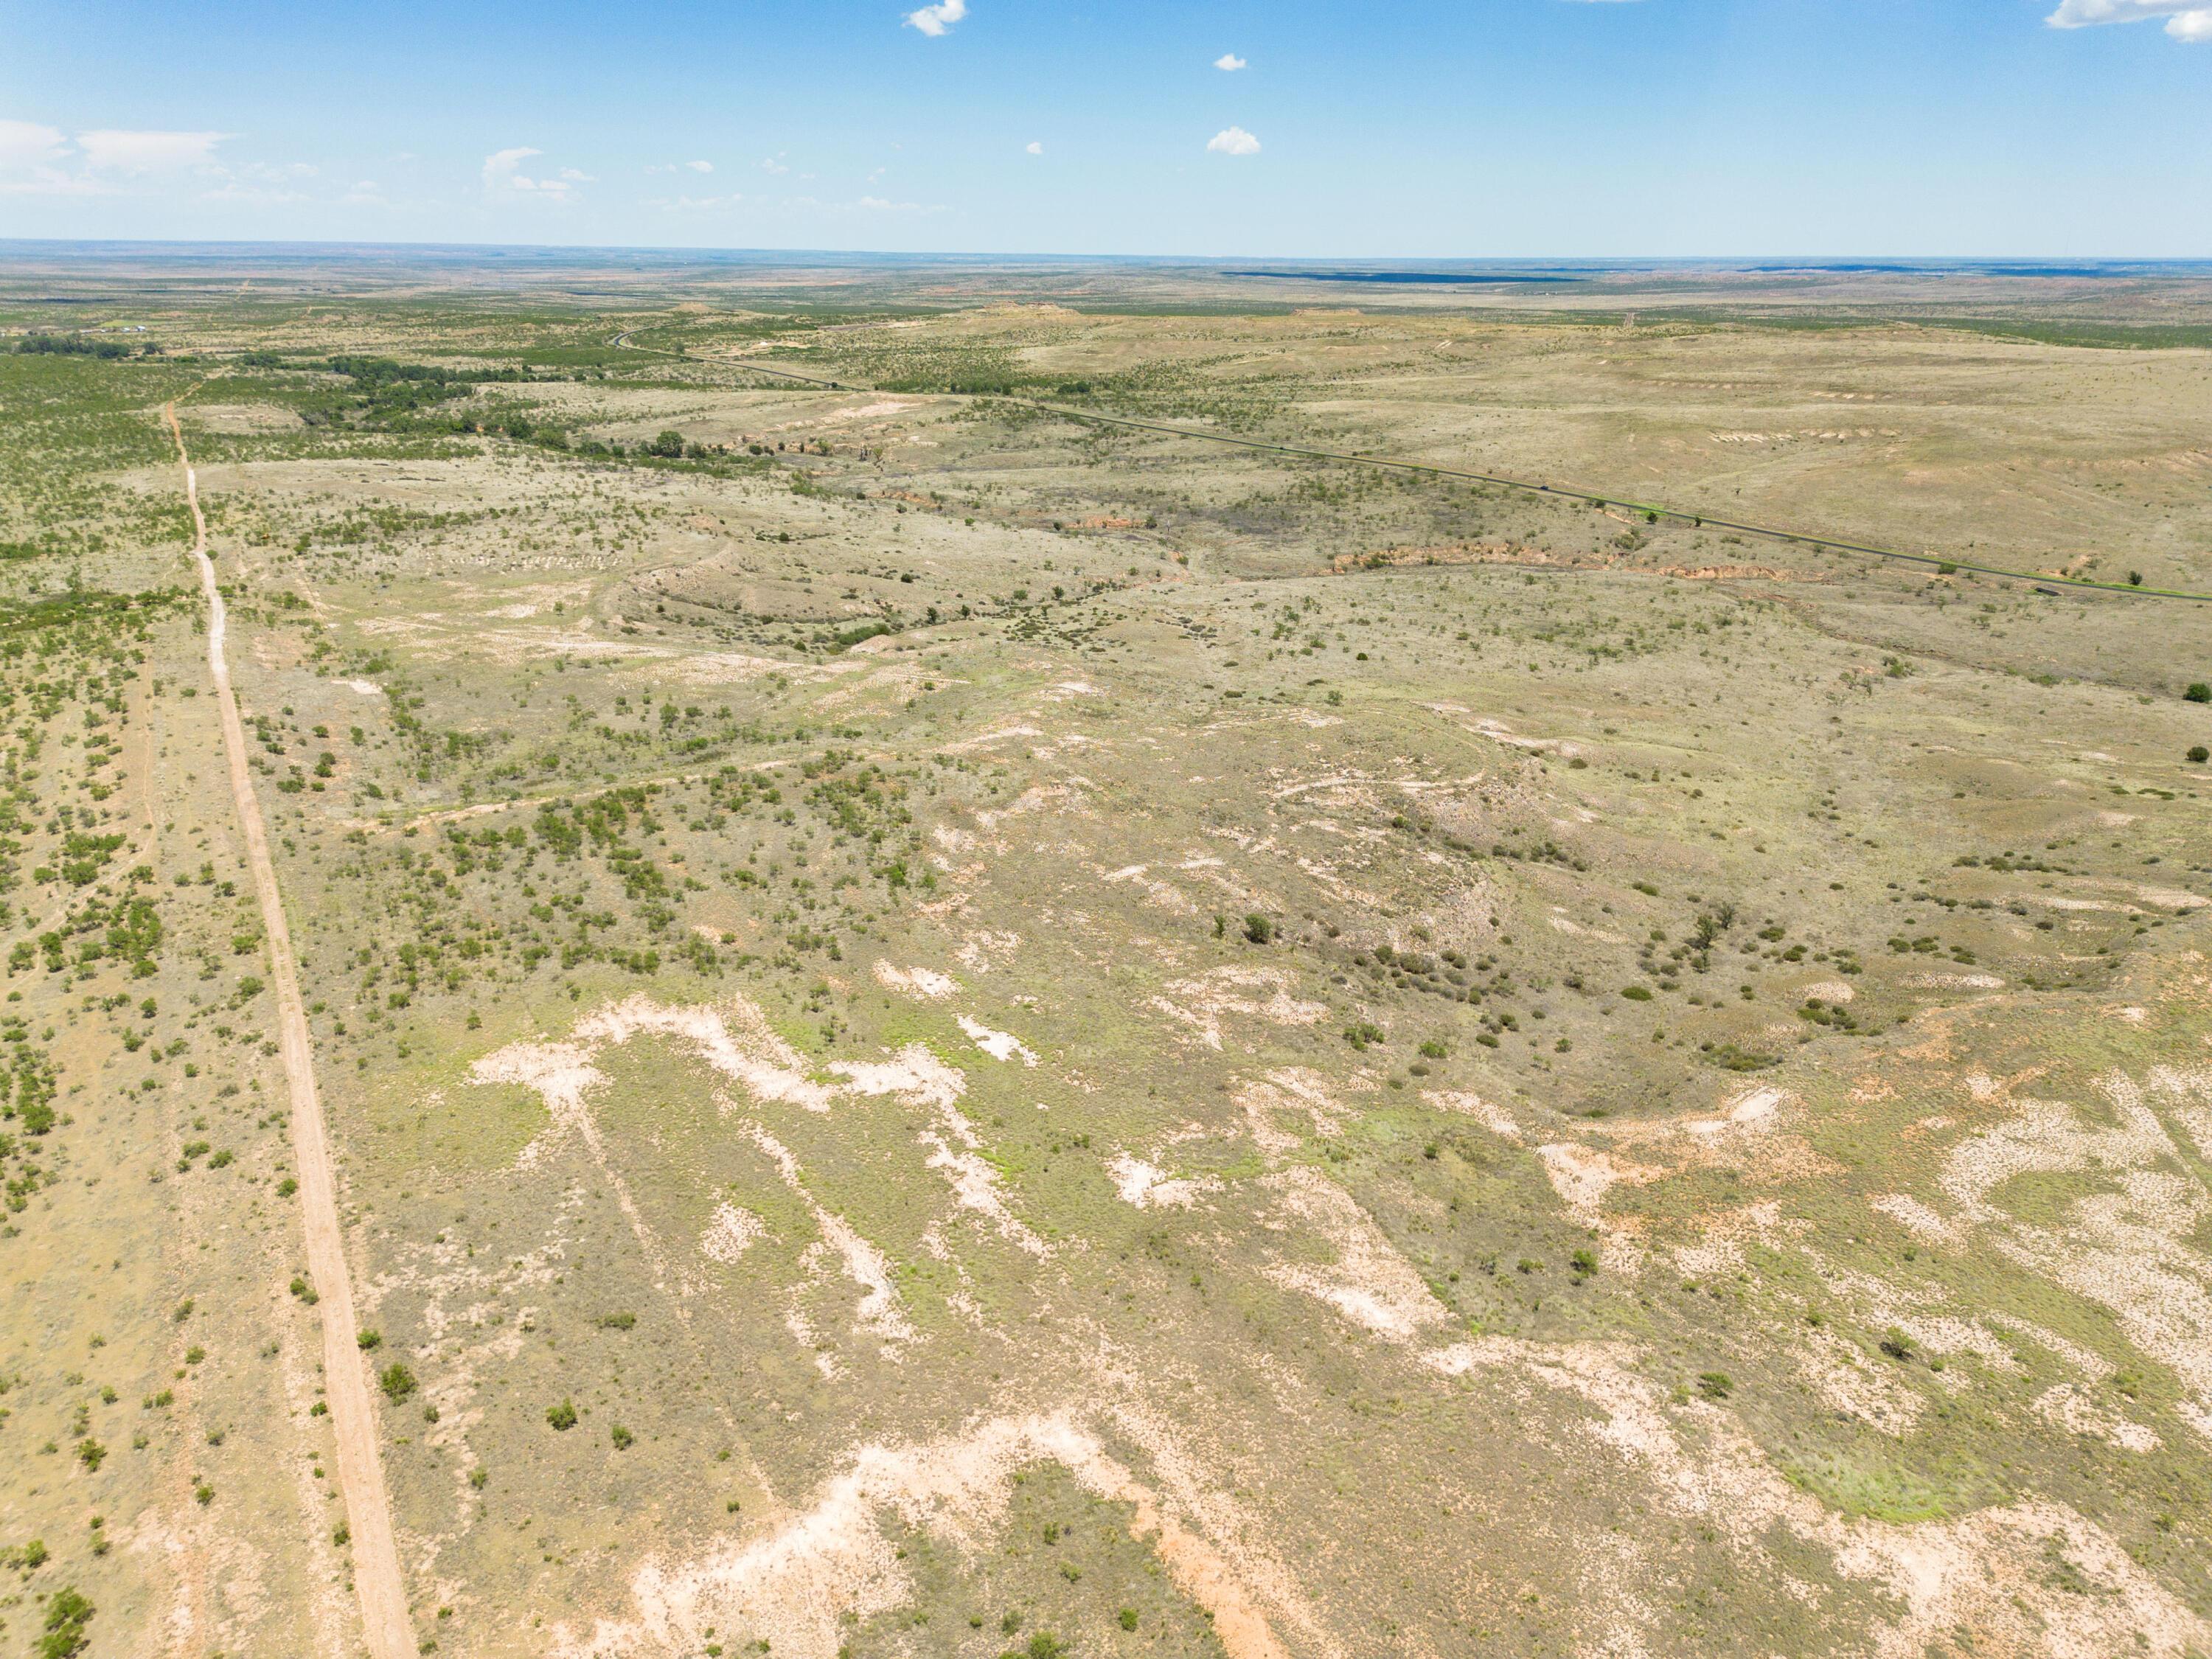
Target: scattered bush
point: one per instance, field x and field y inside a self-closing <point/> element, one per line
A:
<point x="67" y="1614"/>
<point x="561" y="1417"/>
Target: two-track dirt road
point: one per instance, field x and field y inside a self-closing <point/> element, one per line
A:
<point x="389" y="1633"/>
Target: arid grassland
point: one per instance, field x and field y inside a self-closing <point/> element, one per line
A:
<point x="952" y="1029"/>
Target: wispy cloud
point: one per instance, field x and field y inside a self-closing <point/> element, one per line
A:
<point x="2185" y="20"/>
<point x="1035" y="148"/>
<point x="1233" y="141"/>
<point x="26" y="143"/>
<point x="261" y="184"/>
<point x="112" y="149"/>
<point x="694" y="204"/>
<point x="1229" y="60"/>
<point x="503" y="174"/>
<point x="933" y="20"/>
<point x="37" y="160"/>
<point x="499" y="167"/>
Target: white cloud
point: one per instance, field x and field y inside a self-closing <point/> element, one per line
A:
<point x="933" y="20"/>
<point x="879" y="204"/>
<point x="2185" y="20"/>
<point x="237" y="190"/>
<point x="774" y="163"/>
<point x="694" y="204"/>
<point x="700" y="167"/>
<point x="1229" y="60"/>
<point x="112" y="150"/>
<point x="1036" y="148"/>
<point x="503" y="171"/>
<point x="26" y="143"/>
<point x="499" y="167"/>
<point x="1233" y="141"/>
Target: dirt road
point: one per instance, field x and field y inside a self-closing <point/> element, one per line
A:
<point x="345" y="1373"/>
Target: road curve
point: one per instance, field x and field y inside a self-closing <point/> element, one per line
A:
<point x="384" y="1623"/>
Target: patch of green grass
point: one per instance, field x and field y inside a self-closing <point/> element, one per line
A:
<point x="1862" y="1487"/>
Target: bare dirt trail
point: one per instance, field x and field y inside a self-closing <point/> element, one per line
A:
<point x="383" y="1594"/>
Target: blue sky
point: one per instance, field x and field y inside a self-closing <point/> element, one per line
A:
<point x="1379" y="128"/>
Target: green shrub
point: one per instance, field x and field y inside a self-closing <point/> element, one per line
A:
<point x="561" y="1417"/>
<point x="67" y="1614"/>
<point x="2198" y="692"/>
<point x="396" y="1382"/>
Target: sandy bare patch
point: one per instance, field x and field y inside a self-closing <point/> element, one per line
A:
<point x="985" y="948"/>
<point x="728" y="668"/>
<point x="1369" y="1283"/>
<point x="1850" y="1384"/>
<point x="880" y="1311"/>
<point x="1916" y="1217"/>
<point x="1289" y="1091"/>
<point x="1492" y="1117"/>
<point x="2133" y="1249"/>
<point x="240" y="419"/>
<point x="735" y="1040"/>
<point x="730" y="1233"/>
<point x="985" y="740"/>
<point x="1002" y="1046"/>
<point x="1582" y="1175"/>
<point x="1199" y="1002"/>
<point x="913" y="982"/>
<point x="2071" y="1409"/>
<point x="1988" y="1572"/>
<point x="794" y="1585"/>
<point x="1149" y="1187"/>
